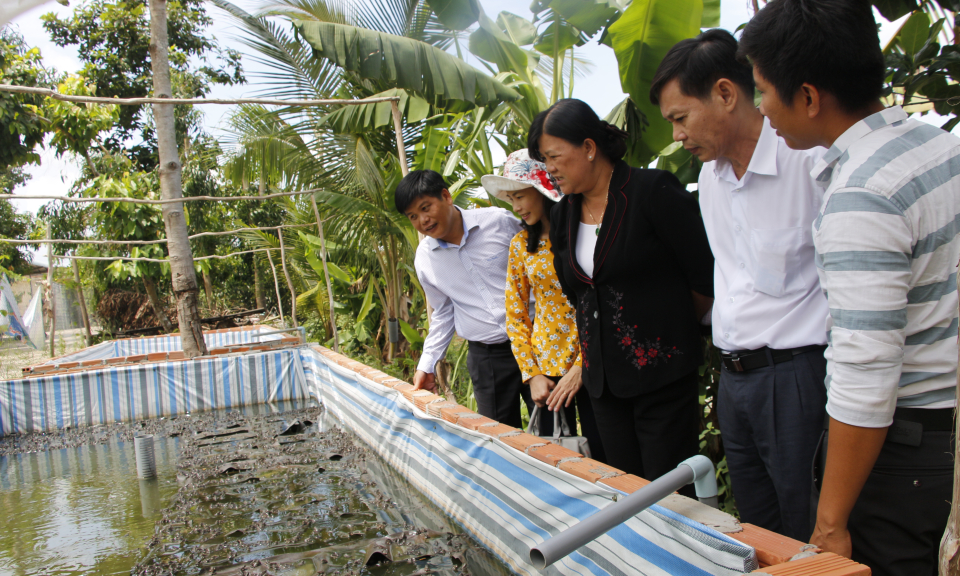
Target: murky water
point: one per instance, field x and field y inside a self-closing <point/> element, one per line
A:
<point x="80" y="510"/>
<point x="233" y="497"/>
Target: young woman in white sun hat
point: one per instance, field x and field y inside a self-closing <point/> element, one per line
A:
<point x="545" y="343"/>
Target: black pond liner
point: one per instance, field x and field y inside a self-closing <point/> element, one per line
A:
<point x="299" y="495"/>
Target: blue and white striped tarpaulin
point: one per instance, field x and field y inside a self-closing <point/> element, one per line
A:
<point x="141" y="391"/>
<point x="147" y="345"/>
<point x="510" y="501"/>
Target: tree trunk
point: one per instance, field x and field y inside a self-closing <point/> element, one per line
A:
<point x="151" y="289"/>
<point x="83" y="303"/>
<point x="178" y="245"/>
<point x="950" y="543"/>
<point x="286" y="274"/>
<point x="257" y="288"/>
<point x="276" y="285"/>
<point x="208" y="290"/>
<point x="52" y="299"/>
<point x="326" y="272"/>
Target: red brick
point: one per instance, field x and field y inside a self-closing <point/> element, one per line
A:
<point x="154" y="356"/>
<point x="522" y="441"/>
<point x="41" y="368"/>
<point x="826" y="564"/>
<point x="123" y="359"/>
<point x="134" y="358"/>
<point x="627" y="483"/>
<point x="590" y="469"/>
<point x="473" y="423"/>
<point x="496" y="429"/>
<point x="772" y="548"/>
<point x="86" y="363"/>
<point x="421" y="400"/>
<point x="403" y="387"/>
<point x="552" y="454"/>
<point x="434" y="408"/>
<point x="177" y="355"/>
<point x="452" y="414"/>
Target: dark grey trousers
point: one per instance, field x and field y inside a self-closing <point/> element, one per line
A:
<point x="498" y="385"/>
<point x="902" y="511"/>
<point x="771" y="419"/>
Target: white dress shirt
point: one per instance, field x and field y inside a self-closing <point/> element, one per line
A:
<point x="466" y="284"/>
<point x="760" y="230"/>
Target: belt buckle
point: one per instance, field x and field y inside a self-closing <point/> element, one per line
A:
<point x="735" y="360"/>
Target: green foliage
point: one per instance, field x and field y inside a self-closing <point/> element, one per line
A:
<point x="641" y="38"/>
<point x="403" y="62"/>
<point x="21" y="128"/>
<point x="112" y="38"/>
<point x="76" y="127"/>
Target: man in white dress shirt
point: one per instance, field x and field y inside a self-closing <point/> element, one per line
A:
<point x="769" y="317"/>
<point x="462" y="266"/>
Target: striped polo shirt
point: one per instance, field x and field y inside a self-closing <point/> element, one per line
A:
<point x="887" y="248"/>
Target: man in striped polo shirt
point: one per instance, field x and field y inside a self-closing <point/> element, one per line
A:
<point x="887" y="247"/>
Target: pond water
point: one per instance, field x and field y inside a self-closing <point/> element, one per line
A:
<point x="235" y="495"/>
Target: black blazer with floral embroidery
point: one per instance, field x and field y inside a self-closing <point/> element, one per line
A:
<point x="638" y="328"/>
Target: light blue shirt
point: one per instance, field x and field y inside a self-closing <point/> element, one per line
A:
<point x="466" y="283"/>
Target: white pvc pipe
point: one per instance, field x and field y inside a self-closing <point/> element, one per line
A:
<point x="698" y="470"/>
<point x="146" y="460"/>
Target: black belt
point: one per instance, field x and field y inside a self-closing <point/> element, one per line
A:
<point x="932" y="419"/>
<point x="498" y="346"/>
<point x="745" y="360"/>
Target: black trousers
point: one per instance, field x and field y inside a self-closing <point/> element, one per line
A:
<point x="498" y="385"/>
<point x="588" y="422"/>
<point x="771" y="419"/>
<point x="902" y="511"/>
<point x="649" y="434"/>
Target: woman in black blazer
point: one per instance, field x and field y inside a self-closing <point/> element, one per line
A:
<point x="632" y="257"/>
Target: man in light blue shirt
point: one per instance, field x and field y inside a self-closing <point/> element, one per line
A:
<point x="462" y="266"/>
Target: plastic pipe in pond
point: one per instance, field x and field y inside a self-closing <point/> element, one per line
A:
<point x="146" y="460"/>
<point x="697" y="470"/>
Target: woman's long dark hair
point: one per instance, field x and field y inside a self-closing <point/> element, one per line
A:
<point x="535" y="230"/>
<point x="574" y="121"/>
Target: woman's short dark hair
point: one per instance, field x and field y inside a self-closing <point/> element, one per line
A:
<point x="575" y="121"/>
<point x="697" y="63"/>
<point x="830" y="44"/>
<point x="416" y="184"/>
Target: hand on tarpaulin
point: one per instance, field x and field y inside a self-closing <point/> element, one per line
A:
<point x="424" y="381"/>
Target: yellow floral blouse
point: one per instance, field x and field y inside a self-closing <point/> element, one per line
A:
<point x="547" y="344"/>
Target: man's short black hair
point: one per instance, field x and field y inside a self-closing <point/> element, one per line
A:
<point x="697" y="63"/>
<point x="416" y="184"/>
<point x="830" y="44"/>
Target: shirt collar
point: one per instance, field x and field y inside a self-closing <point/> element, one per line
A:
<point x="470" y="221"/>
<point x="823" y="171"/>
<point x="763" y="161"/>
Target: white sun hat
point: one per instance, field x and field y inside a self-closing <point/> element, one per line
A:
<point x="519" y="172"/>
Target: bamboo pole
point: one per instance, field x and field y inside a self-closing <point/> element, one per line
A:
<point x="161" y="100"/>
<point x="83" y="303"/>
<point x="149" y="242"/>
<point x="165" y="260"/>
<point x="53" y="300"/>
<point x="276" y="285"/>
<point x="326" y="272"/>
<point x="293" y="294"/>
<point x="162" y="201"/>
<point x="441" y="368"/>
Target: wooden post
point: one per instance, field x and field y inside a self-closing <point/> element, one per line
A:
<point x="441" y="373"/>
<point x="53" y="300"/>
<point x="178" y="244"/>
<point x="83" y="304"/>
<point x="950" y="543"/>
<point x="276" y="285"/>
<point x="293" y="294"/>
<point x="326" y="272"/>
